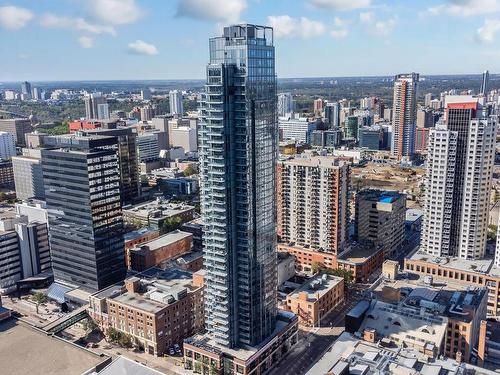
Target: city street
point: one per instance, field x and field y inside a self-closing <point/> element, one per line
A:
<point x="313" y="342"/>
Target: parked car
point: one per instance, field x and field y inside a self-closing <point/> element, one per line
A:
<point x="177" y="349"/>
<point x="171" y="351"/>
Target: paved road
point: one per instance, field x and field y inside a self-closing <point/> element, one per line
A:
<point x="314" y="342"/>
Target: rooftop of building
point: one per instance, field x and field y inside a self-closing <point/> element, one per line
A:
<point x="382" y="196"/>
<point x="361" y="357"/>
<point x="452" y="300"/>
<point x="162" y="241"/>
<point x="398" y="323"/>
<point x="161" y="208"/>
<point x="358" y="253"/>
<point x="138" y="233"/>
<point x="483" y="266"/>
<point x="25" y="350"/>
<point x="317" y="287"/>
<point x="189" y="257"/>
<point x="413" y="214"/>
<point x="124" y="366"/>
<point x="306" y="160"/>
<point x="244" y="353"/>
<point x="156" y="289"/>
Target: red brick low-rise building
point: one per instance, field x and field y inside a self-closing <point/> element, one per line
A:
<point x="158" y="250"/>
<point x="157" y="308"/>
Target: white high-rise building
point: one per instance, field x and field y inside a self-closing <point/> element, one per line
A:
<point x="461" y="154"/>
<point x="439" y="182"/>
<point x="285" y="104"/>
<point x="428" y="99"/>
<point x="175" y="102"/>
<point x="92" y="103"/>
<point x="103" y="111"/>
<point x="477" y="187"/>
<point x="7" y="145"/>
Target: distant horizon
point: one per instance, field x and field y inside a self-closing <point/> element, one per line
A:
<point x="2" y="82"/>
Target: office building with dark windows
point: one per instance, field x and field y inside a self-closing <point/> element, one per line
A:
<point x="82" y="189"/>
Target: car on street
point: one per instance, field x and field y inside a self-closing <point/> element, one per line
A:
<point x="171" y="351"/>
<point x="177" y="349"/>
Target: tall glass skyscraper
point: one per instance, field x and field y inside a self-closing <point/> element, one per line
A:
<point x="238" y="151"/>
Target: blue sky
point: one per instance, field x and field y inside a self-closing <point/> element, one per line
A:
<point x="168" y="39"/>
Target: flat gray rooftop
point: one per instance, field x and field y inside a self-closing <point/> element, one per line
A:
<point x="165" y="240"/>
<point x="125" y="366"/>
<point x="24" y="350"/>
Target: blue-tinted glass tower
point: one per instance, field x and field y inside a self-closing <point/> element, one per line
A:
<point x="238" y="151"/>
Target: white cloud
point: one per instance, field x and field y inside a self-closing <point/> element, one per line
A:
<point x="341" y="4"/>
<point x="465" y="8"/>
<point x="339" y="22"/>
<point x="288" y="27"/>
<point x="116" y="12"/>
<point x="85" y="42"/>
<point x="366" y="17"/>
<point x="339" y="34"/>
<point x="14" y="18"/>
<point x="376" y="26"/>
<point x="487" y="32"/>
<point x="212" y="10"/>
<point x="140" y="47"/>
<point x="53" y="21"/>
<point x="384" y="27"/>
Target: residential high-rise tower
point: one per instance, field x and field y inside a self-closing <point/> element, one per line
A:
<point x="485" y="83"/>
<point x="238" y="151"/>
<point x="96" y="107"/>
<point x="461" y="153"/>
<point x="285" y="104"/>
<point x="404" y="116"/>
<point x="175" y="98"/>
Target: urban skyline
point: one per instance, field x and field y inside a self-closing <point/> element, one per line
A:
<point x="245" y="226"/>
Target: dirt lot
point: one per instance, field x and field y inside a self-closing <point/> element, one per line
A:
<point x="387" y="177"/>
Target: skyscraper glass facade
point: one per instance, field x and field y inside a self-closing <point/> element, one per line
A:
<point x="238" y="152"/>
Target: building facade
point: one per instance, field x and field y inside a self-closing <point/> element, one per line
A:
<point x="380" y="218"/>
<point x="82" y="185"/>
<point x="7" y="145"/>
<point x="404" y="117"/>
<point x="28" y="175"/>
<point x="127" y="161"/>
<point x="285" y="104"/>
<point x="238" y="151"/>
<point x="313" y="202"/>
<point x="18" y="127"/>
<point x="460" y="162"/>
<point x="175" y="98"/>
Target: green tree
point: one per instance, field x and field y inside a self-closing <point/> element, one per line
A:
<point x="144" y="180"/>
<point x="317" y="267"/>
<point x="340" y="273"/>
<point x="125" y="340"/>
<point x="58" y="129"/>
<point x="39" y="298"/>
<point x="170" y="224"/>
<point x="113" y="334"/>
<point x="213" y="370"/>
<point x="197" y="367"/>
<point x="89" y="325"/>
<point x="189" y="171"/>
